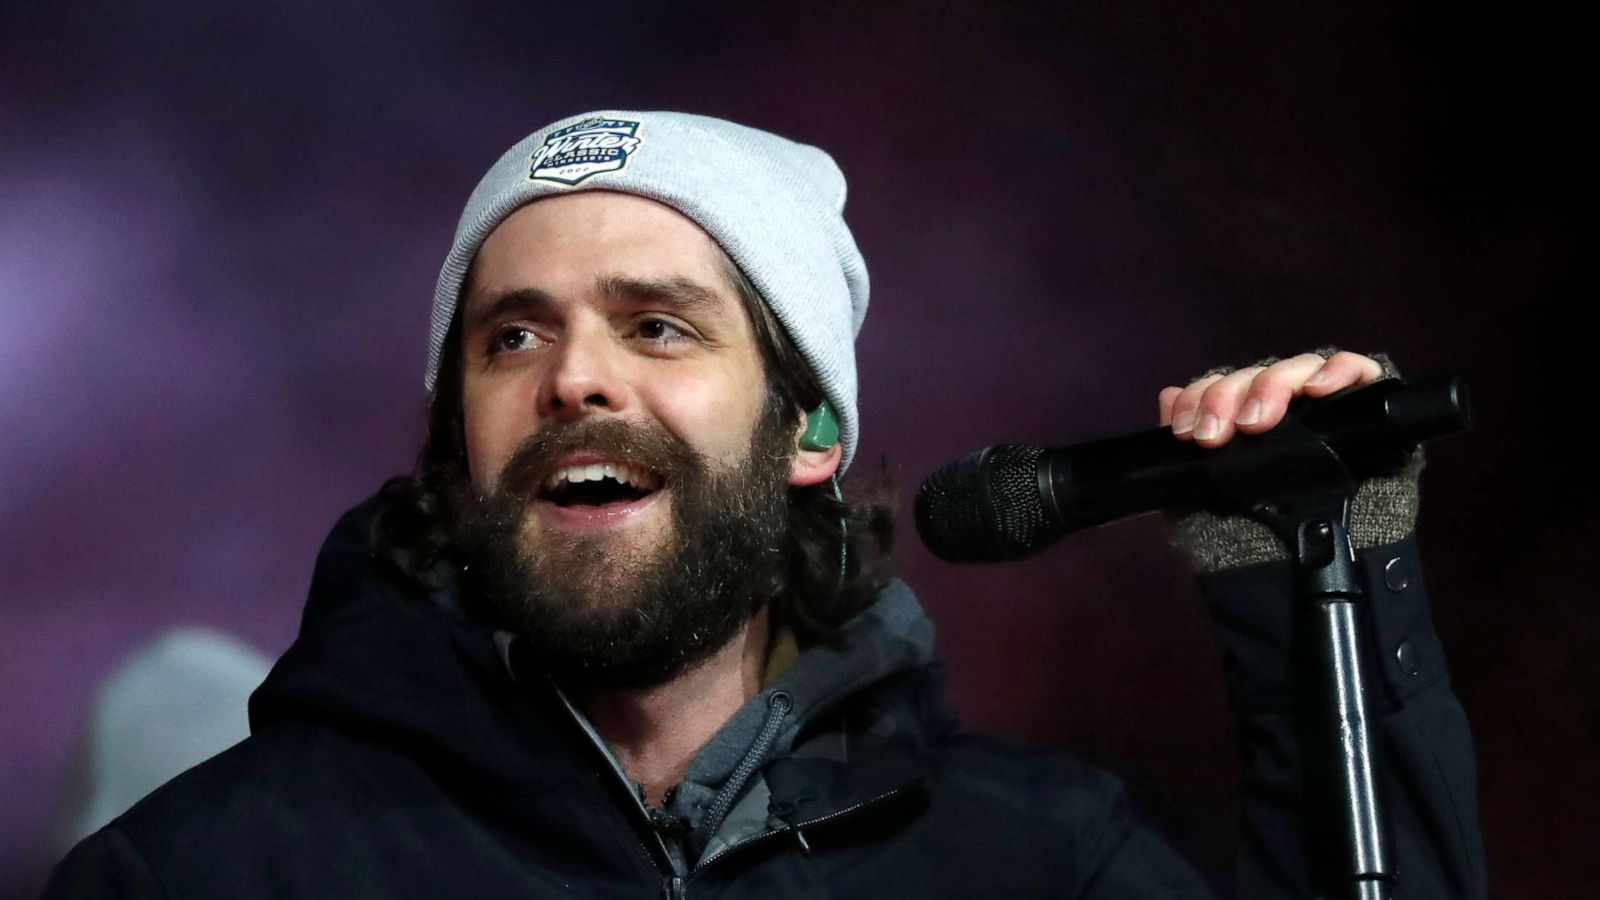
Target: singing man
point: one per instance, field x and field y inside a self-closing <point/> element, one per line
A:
<point x="625" y="634"/>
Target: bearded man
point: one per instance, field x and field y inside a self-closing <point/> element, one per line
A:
<point x="623" y="636"/>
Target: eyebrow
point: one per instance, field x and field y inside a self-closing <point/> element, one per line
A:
<point x="684" y="294"/>
<point x="511" y="303"/>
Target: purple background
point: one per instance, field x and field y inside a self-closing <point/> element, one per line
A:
<point x="219" y="230"/>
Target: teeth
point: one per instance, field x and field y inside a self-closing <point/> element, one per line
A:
<point x="620" y="472"/>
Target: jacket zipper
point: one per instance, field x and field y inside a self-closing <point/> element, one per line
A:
<point x="795" y="828"/>
<point x="673" y="884"/>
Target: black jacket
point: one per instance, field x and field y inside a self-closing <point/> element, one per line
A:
<point x="398" y="750"/>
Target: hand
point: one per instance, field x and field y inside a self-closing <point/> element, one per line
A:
<point x="1253" y="400"/>
<point x="1384" y="508"/>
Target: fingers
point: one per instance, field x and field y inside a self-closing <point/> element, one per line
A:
<point x="1265" y="400"/>
<point x="1253" y="400"/>
<point x="1342" y="370"/>
<point x="1181" y="414"/>
<point x="1205" y="411"/>
<point x="1168" y="396"/>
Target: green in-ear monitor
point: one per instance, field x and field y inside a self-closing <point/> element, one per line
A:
<point x="822" y="432"/>
<point x="822" y="428"/>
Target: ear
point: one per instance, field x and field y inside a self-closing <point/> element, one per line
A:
<point x="810" y="467"/>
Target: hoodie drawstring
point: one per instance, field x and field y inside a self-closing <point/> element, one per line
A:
<point x="778" y="706"/>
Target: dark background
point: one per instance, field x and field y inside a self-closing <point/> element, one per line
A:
<point x="220" y="225"/>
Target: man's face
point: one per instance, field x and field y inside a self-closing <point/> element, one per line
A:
<point x="612" y="389"/>
<point x="597" y="306"/>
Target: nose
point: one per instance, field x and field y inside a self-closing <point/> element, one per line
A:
<point x="583" y="377"/>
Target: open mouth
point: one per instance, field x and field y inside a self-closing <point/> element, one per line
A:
<point x="599" y="485"/>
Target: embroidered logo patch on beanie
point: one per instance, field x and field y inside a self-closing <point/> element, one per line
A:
<point x="587" y="148"/>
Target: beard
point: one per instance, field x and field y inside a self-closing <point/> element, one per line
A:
<point x="599" y="611"/>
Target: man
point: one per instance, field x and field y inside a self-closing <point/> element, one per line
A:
<point x="623" y="637"/>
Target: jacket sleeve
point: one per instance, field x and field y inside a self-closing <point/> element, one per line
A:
<point x="1125" y="857"/>
<point x="103" y="865"/>
<point x="1423" y="747"/>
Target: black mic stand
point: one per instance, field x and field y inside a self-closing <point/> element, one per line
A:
<point x="1304" y="497"/>
<point x="1347" y="836"/>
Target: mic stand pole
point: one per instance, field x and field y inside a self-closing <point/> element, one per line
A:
<point x="1347" y="832"/>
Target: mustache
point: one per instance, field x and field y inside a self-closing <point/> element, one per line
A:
<point x="641" y="444"/>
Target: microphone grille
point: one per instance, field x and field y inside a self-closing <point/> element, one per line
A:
<point x="985" y="507"/>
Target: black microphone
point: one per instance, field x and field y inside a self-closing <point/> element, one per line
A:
<point x="1009" y="501"/>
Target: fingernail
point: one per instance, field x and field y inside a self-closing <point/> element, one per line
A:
<point x="1209" y="426"/>
<point x="1183" y="422"/>
<point x="1251" y="413"/>
<point x="1317" y="378"/>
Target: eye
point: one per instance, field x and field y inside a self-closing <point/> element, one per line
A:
<point x="512" y="339"/>
<point x="661" y="331"/>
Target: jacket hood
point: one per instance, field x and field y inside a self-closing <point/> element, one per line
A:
<point x="375" y="656"/>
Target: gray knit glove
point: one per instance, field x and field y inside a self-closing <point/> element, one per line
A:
<point x="1383" y="511"/>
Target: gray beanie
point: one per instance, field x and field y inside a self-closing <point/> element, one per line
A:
<point x="774" y="206"/>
